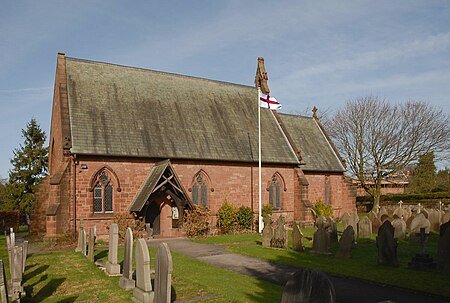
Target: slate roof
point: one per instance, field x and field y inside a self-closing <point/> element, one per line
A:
<point x="315" y="149"/>
<point x="124" y="111"/>
<point x="117" y="110"/>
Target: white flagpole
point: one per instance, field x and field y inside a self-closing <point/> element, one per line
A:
<point x="260" y="221"/>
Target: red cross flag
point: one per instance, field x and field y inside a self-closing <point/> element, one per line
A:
<point x="269" y="102"/>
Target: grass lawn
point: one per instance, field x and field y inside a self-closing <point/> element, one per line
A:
<point x="362" y="265"/>
<point x="66" y="276"/>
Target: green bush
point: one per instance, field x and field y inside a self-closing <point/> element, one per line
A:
<point x="266" y="210"/>
<point x="227" y="218"/>
<point x="245" y="218"/>
<point x="196" y="221"/>
<point x="322" y="209"/>
<point x="395" y="198"/>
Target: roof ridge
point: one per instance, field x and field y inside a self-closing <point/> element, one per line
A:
<point x="159" y="72"/>
<point x="295" y="115"/>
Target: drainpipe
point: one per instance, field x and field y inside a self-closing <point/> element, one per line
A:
<point x="74" y="193"/>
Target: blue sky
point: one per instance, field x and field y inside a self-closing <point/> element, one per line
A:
<point x="317" y="53"/>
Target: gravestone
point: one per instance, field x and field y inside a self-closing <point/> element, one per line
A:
<point x="399" y="213"/>
<point x="280" y="234"/>
<point x="163" y="274"/>
<point x="376" y="223"/>
<point x="91" y="245"/>
<point x="267" y="233"/>
<point x="434" y="216"/>
<point x="365" y="228"/>
<point x="399" y="228"/>
<point x="297" y="238"/>
<point x="143" y="292"/>
<point x="443" y="255"/>
<point x="321" y="239"/>
<point x="346" y="220"/>
<point x="419" y="222"/>
<point x="308" y="285"/>
<point x="79" y="247"/>
<point x="422" y="260"/>
<point x="112" y="268"/>
<point x="408" y="223"/>
<point x="446" y="217"/>
<point x="346" y="243"/>
<point x="387" y="245"/>
<point x="17" y="290"/>
<point x="332" y="230"/>
<point x="83" y="242"/>
<point x="126" y="280"/>
<point x="425" y="212"/>
<point x="354" y="219"/>
<point x="372" y="214"/>
<point x="3" y="288"/>
<point x="383" y="211"/>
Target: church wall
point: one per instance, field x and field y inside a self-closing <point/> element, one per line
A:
<point x="237" y="183"/>
<point x="341" y="198"/>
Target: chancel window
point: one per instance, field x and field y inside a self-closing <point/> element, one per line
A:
<point x="200" y="191"/>
<point x="103" y="194"/>
<point x="275" y="193"/>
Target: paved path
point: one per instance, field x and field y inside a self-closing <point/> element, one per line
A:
<point x="347" y="290"/>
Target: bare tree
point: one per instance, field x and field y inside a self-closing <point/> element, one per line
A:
<point x="377" y="138"/>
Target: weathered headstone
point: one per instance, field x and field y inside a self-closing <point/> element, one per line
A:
<point x="383" y="211"/>
<point x="321" y="239"/>
<point x="280" y="234"/>
<point x="3" y="287"/>
<point x="91" y="248"/>
<point x="17" y="290"/>
<point x="143" y="292"/>
<point x="83" y="242"/>
<point x="399" y="228"/>
<point x="365" y="228"/>
<point x="387" y="245"/>
<point x="446" y="217"/>
<point x="443" y="255"/>
<point x="163" y="274"/>
<point x="267" y="232"/>
<point x="332" y="230"/>
<point x="419" y="222"/>
<point x="297" y="238"/>
<point x="126" y="280"/>
<point x="422" y="260"/>
<point x="354" y="219"/>
<point x="434" y="216"/>
<point x="346" y="243"/>
<point x="376" y="223"/>
<point x="372" y="214"/>
<point x="79" y="247"/>
<point x="112" y="268"/>
<point x="308" y="285"/>
<point x="346" y="220"/>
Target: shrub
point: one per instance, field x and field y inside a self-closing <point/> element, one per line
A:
<point x="126" y="220"/>
<point x="245" y="218"/>
<point x="196" y="221"/>
<point x="322" y="209"/>
<point x="227" y="217"/>
<point x="266" y="210"/>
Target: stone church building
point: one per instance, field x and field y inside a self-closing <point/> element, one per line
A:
<point x="126" y="139"/>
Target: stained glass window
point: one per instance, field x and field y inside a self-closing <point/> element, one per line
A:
<point x="200" y="191"/>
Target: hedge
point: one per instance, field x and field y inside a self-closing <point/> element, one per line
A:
<point x="9" y="219"/>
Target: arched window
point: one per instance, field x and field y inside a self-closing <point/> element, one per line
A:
<point x="275" y="192"/>
<point x="200" y="191"/>
<point x="103" y="194"/>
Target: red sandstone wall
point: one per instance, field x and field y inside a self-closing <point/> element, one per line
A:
<point x="342" y="197"/>
<point x="230" y="182"/>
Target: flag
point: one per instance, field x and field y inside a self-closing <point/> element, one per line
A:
<point x="269" y="102"/>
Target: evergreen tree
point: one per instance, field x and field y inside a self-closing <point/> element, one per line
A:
<point x="29" y="167"/>
<point x="443" y="180"/>
<point x="424" y="180"/>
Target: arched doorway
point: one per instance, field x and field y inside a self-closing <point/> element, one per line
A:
<point x="153" y="217"/>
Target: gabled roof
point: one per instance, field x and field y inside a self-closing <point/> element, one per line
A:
<point x="161" y="175"/>
<point x="125" y="111"/>
<point x="316" y="151"/>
